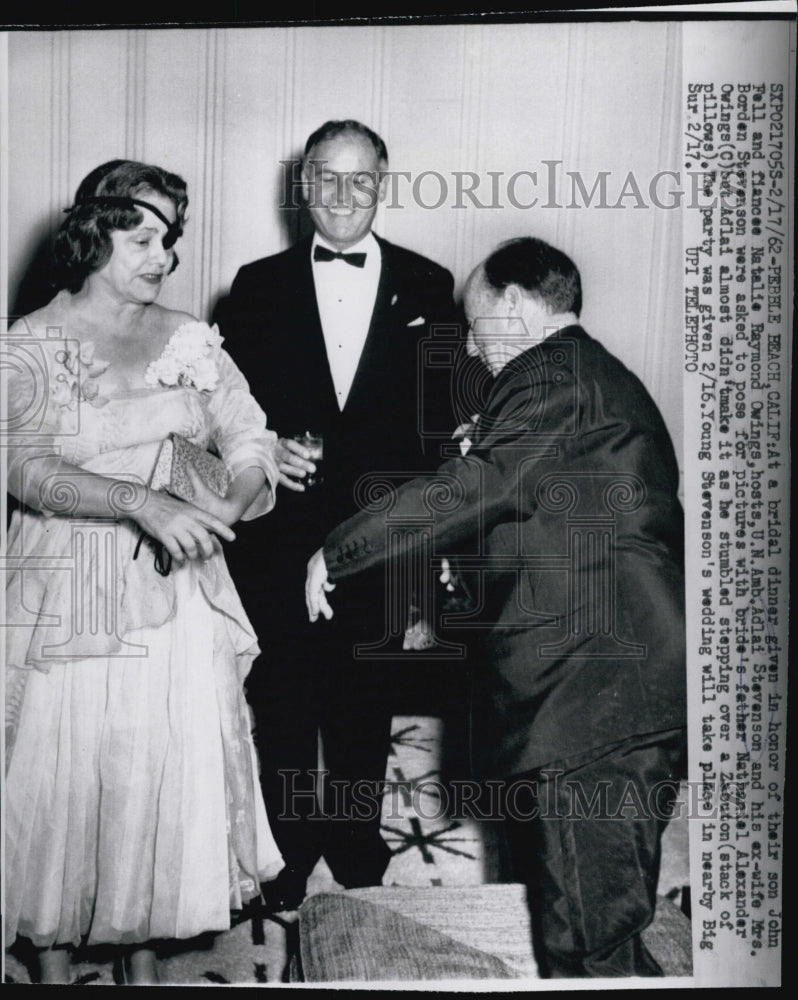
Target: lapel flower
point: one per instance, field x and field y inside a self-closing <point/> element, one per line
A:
<point x="188" y="359"/>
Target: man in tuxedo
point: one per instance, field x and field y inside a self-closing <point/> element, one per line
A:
<point x="570" y="489"/>
<point x="329" y="334"/>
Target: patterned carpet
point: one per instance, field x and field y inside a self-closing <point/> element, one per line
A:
<point x="429" y="849"/>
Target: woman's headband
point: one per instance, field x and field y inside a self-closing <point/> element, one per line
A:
<point x="173" y="229"/>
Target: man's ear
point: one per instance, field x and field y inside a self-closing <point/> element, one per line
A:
<point x="308" y="175"/>
<point x="306" y="183"/>
<point x="382" y="189"/>
<point x="514" y="299"/>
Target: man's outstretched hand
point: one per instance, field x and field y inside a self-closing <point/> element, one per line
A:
<point x="317" y="586"/>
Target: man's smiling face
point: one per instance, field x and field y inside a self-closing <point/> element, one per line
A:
<point x="342" y="186"/>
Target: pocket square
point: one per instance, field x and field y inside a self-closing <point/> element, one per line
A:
<point x="417" y="321"/>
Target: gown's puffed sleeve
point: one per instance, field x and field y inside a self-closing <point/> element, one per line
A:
<point x="239" y="432"/>
<point x="33" y="428"/>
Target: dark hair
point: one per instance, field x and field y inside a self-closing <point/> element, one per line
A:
<point x="83" y="243"/>
<point x="333" y="128"/>
<point x="542" y="270"/>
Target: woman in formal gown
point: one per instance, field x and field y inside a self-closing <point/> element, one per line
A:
<point x="133" y="811"/>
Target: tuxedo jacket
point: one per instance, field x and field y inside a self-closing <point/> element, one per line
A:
<point x="393" y="421"/>
<point x="565" y="518"/>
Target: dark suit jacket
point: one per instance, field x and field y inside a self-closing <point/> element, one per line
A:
<point x="566" y="509"/>
<point x="272" y="329"/>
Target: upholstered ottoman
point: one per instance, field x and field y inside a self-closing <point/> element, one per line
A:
<point x="463" y="933"/>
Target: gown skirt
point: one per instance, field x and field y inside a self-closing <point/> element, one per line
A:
<point x="133" y="806"/>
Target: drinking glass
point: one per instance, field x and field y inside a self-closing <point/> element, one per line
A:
<point x="315" y="446"/>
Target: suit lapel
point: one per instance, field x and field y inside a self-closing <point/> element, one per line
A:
<point x="319" y="373"/>
<point x="376" y="349"/>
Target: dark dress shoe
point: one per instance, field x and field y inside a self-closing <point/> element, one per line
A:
<point x="362" y="882"/>
<point x="285" y="892"/>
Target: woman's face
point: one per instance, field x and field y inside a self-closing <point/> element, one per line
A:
<point x="138" y="263"/>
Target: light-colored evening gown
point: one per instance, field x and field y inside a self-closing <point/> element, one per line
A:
<point x="133" y="809"/>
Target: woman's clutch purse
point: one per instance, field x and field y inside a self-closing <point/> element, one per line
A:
<point x="171" y="469"/>
<point x="171" y="475"/>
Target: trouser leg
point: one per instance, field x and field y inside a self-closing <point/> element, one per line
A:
<point x="356" y="735"/>
<point x="591" y="859"/>
<point x="285" y="703"/>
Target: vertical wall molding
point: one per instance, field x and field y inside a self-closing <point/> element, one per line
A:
<point x="664" y="270"/>
<point x="377" y="80"/>
<point x="472" y="61"/>
<point x="382" y="107"/>
<point x="288" y="137"/>
<point x="60" y="187"/>
<point x="208" y="172"/>
<point x="197" y="193"/>
<point x="572" y="125"/>
<point x="379" y="115"/>
<point x="135" y="93"/>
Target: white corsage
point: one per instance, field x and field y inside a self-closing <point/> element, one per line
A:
<point x="188" y="359"/>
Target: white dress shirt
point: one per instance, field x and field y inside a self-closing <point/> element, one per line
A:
<point x="345" y="295"/>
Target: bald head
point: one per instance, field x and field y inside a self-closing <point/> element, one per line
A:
<point x="515" y="302"/>
<point x="540" y="269"/>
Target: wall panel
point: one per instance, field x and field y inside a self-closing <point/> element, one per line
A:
<point x="224" y="106"/>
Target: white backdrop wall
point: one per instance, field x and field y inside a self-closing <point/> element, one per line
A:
<point x="224" y="106"/>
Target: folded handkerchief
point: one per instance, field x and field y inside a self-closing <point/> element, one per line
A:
<point x="417" y="321"/>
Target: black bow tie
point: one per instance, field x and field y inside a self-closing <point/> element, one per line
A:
<point x="322" y="253"/>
